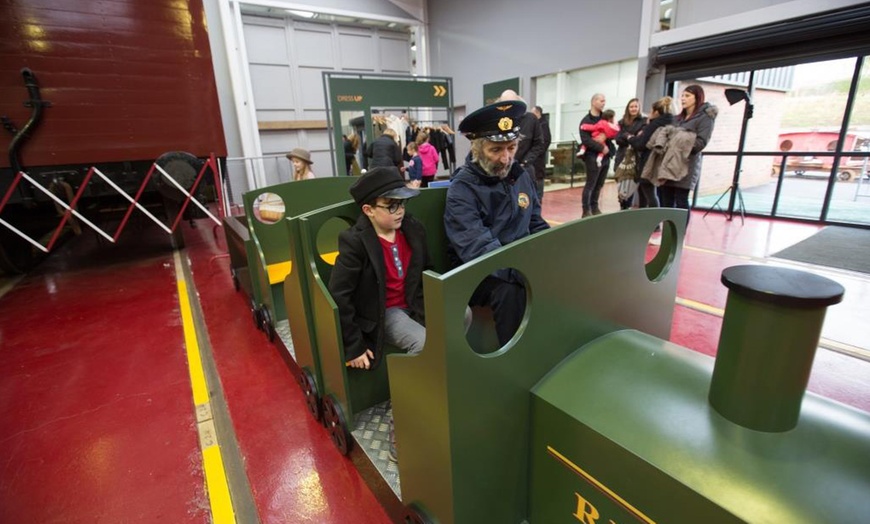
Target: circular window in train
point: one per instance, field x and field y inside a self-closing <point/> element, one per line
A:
<point x="786" y="145"/>
<point x="327" y="239"/>
<point x="268" y="208"/>
<point x="497" y="311"/>
<point x="832" y="145"/>
<point x="661" y="251"/>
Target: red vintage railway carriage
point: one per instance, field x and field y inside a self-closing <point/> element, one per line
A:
<point x="112" y="85"/>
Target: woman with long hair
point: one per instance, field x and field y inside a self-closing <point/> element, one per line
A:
<point x="699" y="117"/>
<point x="630" y="124"/>
<point x="662" y="114"/>
<point x="301" y="160"/>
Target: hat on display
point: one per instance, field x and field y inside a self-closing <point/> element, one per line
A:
<point x="301" y="154"/>
<point x="383" y="182"/>
<point x="498" y="122"/>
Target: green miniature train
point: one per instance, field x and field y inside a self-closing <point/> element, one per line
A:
<point x="587" y="414"/>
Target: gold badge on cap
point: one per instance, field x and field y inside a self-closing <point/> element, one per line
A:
<point x="523" y="200"/>
<point x="505" y="124"/>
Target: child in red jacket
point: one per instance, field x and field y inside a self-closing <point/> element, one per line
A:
<point x="604" y="129"/>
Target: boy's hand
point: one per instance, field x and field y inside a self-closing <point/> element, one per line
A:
<point x="363" y="361"/>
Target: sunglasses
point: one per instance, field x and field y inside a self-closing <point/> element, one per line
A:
<point x="393" y="207"/>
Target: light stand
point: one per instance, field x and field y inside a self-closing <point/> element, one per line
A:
<point x="734" y="96"/>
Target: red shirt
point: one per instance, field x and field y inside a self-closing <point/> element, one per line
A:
<point x="396" y="255"/>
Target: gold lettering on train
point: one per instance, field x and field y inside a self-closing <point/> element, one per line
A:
<point x="349" y="98"/>
<point x="586" y="512"/>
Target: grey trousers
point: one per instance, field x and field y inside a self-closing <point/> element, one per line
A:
<point x="402" y="331"/>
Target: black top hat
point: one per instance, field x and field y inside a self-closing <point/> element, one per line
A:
<point x="498" y="122"/>
<point x="383" y="182"/>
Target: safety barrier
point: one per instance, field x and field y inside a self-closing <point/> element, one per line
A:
<point x="70" y="208"/>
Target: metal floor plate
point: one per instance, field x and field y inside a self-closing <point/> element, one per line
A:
<point x="372" y="431"/>
<point x="372" y="435"/>
<point x="282" y="329"/>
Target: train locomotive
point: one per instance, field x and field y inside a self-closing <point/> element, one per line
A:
<point x="587" y="414"/>
<point x="102" y="88"/>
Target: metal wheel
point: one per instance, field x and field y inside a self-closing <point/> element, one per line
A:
<point x="266" y="323"/>
<point x="312" y="396"/>
<point x="415" y="514"/>
<point x="255" y="314"/>
<point x="844" y="176"/>
<point x="333" y="418"/>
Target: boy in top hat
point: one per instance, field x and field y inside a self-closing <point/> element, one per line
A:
<point x="377" y="278"/>
<point x="492" y="202"/>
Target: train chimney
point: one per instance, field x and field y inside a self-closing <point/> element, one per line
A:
<point x="772" y="325"/>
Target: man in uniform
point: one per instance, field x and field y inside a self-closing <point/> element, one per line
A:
<point x="492" y="202"/>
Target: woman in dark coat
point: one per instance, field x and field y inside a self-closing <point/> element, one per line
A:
<point x="662" y="115"/>
<point x="630" y="124"/>
<point x="699" y="117"/>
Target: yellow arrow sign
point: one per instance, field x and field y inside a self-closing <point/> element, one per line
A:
<point x="440" y="90"/>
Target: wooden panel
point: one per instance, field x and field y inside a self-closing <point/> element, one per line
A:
<point x="292" y="124"/>
<point x="127" y="79"/>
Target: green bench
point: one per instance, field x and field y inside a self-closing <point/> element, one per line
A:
<point x="268" y="250"/>
<point x="462" y="415"/>
<point x="323" y="372"/>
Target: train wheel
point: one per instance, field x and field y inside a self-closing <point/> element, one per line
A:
<point x="309" y="389"/>
<point x="414" y="514"/>
<point x="334" y="419"/>
<point x="255" y="314"/>
<point x="845" y="176"/>
<point x="266" y="323"/>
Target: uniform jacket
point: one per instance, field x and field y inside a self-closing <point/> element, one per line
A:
<point x="670" y="147"/>
<point x="358" y="281"/>
<point x="483" y="213"/>
<point x="384" y="152"/>
<point x="701" y="123"/>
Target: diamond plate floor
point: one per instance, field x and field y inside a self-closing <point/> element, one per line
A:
<point x="372" y="434"/>
<point x="282" y="329"/>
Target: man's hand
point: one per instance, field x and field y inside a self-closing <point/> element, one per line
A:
<point x="363" y="361"/>
<point x="605" y="150"/>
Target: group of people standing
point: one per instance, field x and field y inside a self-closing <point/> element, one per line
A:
<point x="665" y="147"/>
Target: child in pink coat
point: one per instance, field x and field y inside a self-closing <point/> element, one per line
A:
<point x="429" y="156"/>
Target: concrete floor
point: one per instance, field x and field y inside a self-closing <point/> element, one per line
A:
<point x="96" y="401"/>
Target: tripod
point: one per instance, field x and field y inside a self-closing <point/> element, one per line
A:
<point x="734" y="96"/>
<point x="734" y="189"/>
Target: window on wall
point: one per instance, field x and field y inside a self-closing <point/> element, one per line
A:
<point x="666" y="14"/>
<point x="798" y="158"/>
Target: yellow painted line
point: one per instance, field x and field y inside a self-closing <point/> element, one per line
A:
<point x="194" y="360"/>
<point x="216" y="484"/>
<point x="329" y="258"/>
<point x="700" y="306"/>
<point x="599" y="486"/>
<point x="218" y="488"/>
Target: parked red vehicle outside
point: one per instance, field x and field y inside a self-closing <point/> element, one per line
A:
<point x="816" y="141"/>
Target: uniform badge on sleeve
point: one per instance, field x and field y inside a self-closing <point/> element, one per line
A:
<point x="523" y="200"/>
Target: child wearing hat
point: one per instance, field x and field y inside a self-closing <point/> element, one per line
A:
<point x="377" y="280"/>
<point x="301" y="160"/>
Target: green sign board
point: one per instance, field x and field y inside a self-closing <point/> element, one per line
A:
<point x="352" y="98"/>
<point x="352" y="93"/>
<point x="492" y="91"/>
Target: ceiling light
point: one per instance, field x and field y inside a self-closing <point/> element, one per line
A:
<point x="303" y="14"/>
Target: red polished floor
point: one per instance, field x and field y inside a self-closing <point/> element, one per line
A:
<point x="96" y="401"/>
